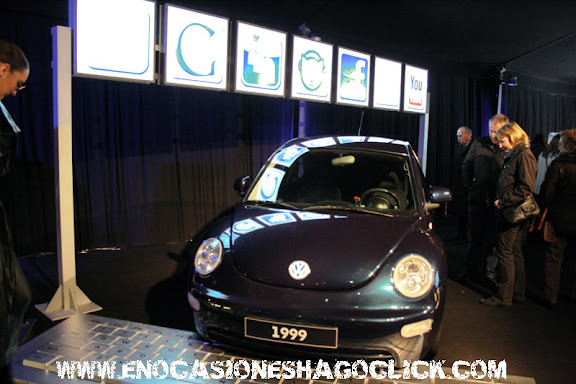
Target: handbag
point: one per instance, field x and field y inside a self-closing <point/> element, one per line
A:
<point x="545" y="227"/>
<point x="524" y="210"/>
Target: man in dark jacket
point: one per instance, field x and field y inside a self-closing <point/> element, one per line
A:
<point x="480" y="171"/>
<point x="459" y="191"/>
<point x="558" y="193"/>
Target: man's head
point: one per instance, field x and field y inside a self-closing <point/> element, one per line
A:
<point x="14" y="69"/>
<point x="495" y="123"/>
<point x="464" y="135"/>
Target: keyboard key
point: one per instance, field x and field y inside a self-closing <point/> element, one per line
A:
<point x="143" y="356"/>
<point x="104" y="339"/>
<point x="118" y="351"/>
<point x="170" y="352"/>
<point x="104" y="329"/>
<point x="190" y="355"/>
<point x="96" y="347"/>
<point x="146" y="337"/>
<point x="125" y="343"/>
<point x="69" y="342"/>
<point x="168" y="341"/>
<point x="147" y="347"/>
<point x="68" y="352"/>
<point x="39" y="360"/>
<point x="124" y="333"/>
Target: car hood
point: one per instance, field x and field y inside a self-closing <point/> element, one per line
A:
<point x="342" y="251"/>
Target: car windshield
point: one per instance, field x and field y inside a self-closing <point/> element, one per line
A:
<point x="336" y="180"/>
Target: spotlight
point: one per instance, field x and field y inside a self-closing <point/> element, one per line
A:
<point x="507" y="78"/>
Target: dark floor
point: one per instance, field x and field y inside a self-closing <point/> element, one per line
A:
<point x="146" y="285"/>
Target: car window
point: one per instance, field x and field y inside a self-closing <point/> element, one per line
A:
<point x="372" y="180"/>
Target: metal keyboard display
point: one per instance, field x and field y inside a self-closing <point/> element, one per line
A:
<point x="95" y="338"/>
<point x="90" y="338"/>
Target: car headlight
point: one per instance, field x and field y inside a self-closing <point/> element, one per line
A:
<point x="413" y="276"/>
<point x="208" y="256"/>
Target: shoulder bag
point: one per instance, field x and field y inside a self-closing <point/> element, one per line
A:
<point x="524" y="210"/>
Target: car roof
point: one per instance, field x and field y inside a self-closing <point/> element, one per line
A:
<point x="375" y="143"/>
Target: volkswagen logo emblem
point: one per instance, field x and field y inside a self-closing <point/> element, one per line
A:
<point x="299" y="269"/>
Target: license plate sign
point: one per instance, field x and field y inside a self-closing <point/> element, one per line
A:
<point x="297" y="334"/>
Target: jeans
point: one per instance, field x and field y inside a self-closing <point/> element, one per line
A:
<point x="510" y="273"/>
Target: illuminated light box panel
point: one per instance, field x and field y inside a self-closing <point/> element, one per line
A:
<point x="114" y="39"/>
<point x="353" y="77"/>
<point x="415" y="89"/>
<point x="387" y="84"/>
<point x="260" y="60"/>
<point x="196" y="49"/>
<point x="311" y="70"/>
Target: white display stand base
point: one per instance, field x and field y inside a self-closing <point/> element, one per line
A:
<point x="68" y="300"/>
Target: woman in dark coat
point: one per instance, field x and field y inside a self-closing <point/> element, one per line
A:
<point x="14" y="289"/>
<point x="515" y="184"/>
<point x="558" y="193"/>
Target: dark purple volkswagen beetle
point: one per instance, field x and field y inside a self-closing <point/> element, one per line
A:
<point x="331" y="253"/>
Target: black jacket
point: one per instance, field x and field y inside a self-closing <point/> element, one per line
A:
<point x="458" y="188"/>
<point x="558" y="192"/>
<point x="8" y="132"/>
<point x="480" y="170"/>
<point x="518" y="176"/>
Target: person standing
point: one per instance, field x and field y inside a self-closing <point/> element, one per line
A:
<point x="515" y="184"/>
<point x="459" y="191"/>
<point x="15" y="292"/>
<point x="558" y="193"/>
<point x="544" y="160"/>
<point x="480" y="170"/>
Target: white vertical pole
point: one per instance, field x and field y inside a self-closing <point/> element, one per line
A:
<point x="68" y="299"/>
<point x="499" y="111"/>
<point x="423" y="136"/>
<point x="302" y="119"/>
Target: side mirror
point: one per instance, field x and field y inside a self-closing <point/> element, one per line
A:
<point x="242" y="184"/>
<point x="439" y="197"/>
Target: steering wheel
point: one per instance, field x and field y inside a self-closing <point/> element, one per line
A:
<point x="389" y="196"/>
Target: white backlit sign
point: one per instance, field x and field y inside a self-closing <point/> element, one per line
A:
<point x="387" y="84"/>
<point x="353" y="77"/>
<point x="260" y="60"/>
<point x="114" y="38"/>
<point x="415" y="89"/>
<point x="311" y="70"/>
<point x="196" y="49"/>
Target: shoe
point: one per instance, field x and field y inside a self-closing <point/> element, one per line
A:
<point x="550" y="305"/>
<point x="461" y="277"/>
<point x="492" y="302"/>
<point x="518" y="301"/>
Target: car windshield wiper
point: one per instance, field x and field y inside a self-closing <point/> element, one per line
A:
<point x="274" y="204"/>
<point x="346" y="208"/>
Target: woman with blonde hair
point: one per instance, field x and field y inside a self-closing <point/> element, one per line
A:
<point x="516" y="184"/>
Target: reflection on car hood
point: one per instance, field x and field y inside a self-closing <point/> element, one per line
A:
<point x="341" y="251"/>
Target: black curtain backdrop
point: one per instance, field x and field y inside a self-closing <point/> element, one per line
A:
<point x="538" y="111"/>
<point x="153" y="164"/>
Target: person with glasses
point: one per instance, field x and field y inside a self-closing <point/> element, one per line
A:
<point x="15" y="292"/>
<point x="480" y="170"/>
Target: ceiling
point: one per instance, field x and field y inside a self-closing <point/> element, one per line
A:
<point x="535" y="39"/>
